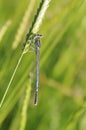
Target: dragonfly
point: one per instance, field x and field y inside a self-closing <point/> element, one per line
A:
<point x="35" y="40"/>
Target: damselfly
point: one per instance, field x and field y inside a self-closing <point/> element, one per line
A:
<point x="37" y="51"/>
<point x="35" y="39"/>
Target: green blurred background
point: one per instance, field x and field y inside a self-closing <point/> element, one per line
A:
<point x="62" y="92"/>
